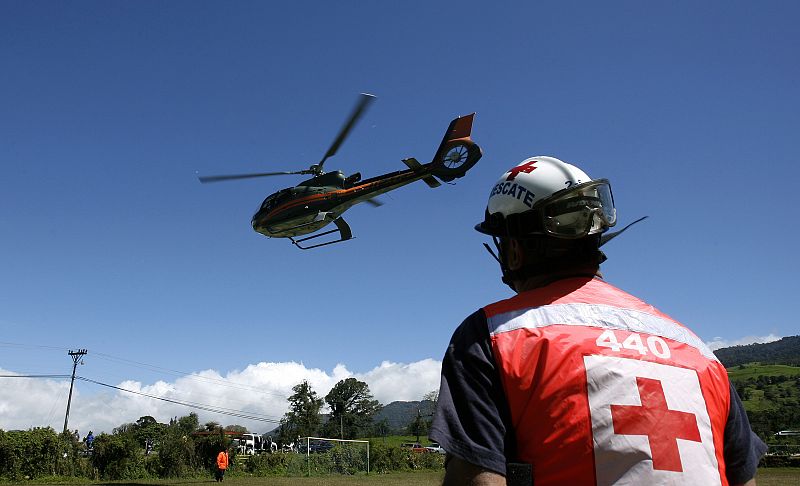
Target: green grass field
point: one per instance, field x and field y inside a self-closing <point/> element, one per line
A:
<point x="765" y="477"/>
<point x="767" y="389"/>
<point x="778" y="477"/>
<point x="748" y="371"/>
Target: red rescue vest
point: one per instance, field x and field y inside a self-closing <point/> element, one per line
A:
<point x="605" y="389"/>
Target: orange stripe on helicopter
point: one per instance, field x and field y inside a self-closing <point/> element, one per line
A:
<point x="338" y="192"/>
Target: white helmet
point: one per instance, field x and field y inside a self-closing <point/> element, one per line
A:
<point x="546" y="196"/>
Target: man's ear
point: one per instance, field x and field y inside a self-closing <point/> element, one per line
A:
<point x="515" y="254"/>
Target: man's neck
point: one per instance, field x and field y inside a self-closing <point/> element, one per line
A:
<point x="538" y="281"/>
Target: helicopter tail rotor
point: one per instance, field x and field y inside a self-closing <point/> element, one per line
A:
<point x="457" y="153"/>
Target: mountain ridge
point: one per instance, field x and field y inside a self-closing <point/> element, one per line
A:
<point x="785" y="351"/>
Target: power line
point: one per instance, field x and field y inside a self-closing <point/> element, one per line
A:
<point x="34" y="376"/>
<point x="195" y="405"/>
<point x="151" y="367"/>
<point x="192" y="376"/>
<point x="20" y="345"/>
<point x="208" y="408"/>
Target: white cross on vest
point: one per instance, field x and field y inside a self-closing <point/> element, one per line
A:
<point x="640" y="409"/>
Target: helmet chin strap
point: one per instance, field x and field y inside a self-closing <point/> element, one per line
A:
<point x="508" y="274"/>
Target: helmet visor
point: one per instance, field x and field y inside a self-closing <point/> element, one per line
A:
<point x="583" y="210"/>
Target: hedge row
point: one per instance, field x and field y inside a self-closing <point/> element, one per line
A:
<point x="40" y="452"/>
<point x="342" y="459"/>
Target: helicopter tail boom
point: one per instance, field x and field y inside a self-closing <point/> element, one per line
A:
<point x="414" y="165"/>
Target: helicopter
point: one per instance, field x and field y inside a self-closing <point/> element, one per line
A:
<point x="301" y="212"/>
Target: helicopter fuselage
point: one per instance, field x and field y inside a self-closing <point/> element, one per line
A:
<point x="315" y="203"/>
<point x="299" y="212"/>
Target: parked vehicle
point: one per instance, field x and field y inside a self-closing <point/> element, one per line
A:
<point x="435" y="447"/>
<point x="319" y="446"/>
<point x="251" y="444"/>
<point x="414" y="446"/>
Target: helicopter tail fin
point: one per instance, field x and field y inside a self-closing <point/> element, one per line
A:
<point x="457" y="153"/>
<point x="460" y="129"/>
<point x="414" y="165"/>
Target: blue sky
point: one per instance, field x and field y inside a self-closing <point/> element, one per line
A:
<point x="110" y="110"/>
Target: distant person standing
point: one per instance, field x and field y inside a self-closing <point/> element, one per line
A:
<point x="89" y="441"/>
<point x="222" y="464"/>
<point x="148" y="446"/>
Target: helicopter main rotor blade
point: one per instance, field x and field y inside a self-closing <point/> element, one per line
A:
<point x="221" y="178"/>
<point x="362" y="105"/>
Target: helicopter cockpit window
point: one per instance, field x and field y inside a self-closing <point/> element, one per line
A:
<point x="275" y="200"/>
<point x="268" y="203"/>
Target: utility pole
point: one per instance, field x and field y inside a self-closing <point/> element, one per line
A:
<point x="418" y="424"/>
<point x="76" y="356"/>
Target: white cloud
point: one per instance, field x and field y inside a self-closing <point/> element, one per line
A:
<point x="719" y="342"/>
<point x="398" y="381"/>
<point x="260" y="389"/>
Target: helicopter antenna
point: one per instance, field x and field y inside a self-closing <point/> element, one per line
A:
<point x="363" y="102"/>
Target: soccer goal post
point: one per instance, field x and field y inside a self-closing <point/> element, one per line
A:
<point x="313" y="445"/>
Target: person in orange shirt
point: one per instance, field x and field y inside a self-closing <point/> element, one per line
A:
<point x="222" y="464"/>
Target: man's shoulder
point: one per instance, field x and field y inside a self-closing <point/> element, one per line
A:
<point x="474" y="325"/>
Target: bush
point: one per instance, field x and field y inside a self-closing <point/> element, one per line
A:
<point x="428" y="460"/>
<point x="268" y="464"/>
<point x="341" y="459"/>
<point x="386" y="459"/>
<point x="33" y="453"/>
<point x="176" y="456"/>
<point x="207" y="447"/>
<point x="41" y="453"/>
<point x="118" y="457"/>
<point x="347" y="458"/>
<point x="780" y="461"/>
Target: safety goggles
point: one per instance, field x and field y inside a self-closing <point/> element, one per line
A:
<point x="579" y="211"/>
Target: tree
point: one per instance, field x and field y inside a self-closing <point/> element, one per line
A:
<point x="176" y="451"/>
<point x="432" y="398"/>
<point x="189" y="423"/>
<point x="418" y="425"/>
<point x="352" y="408"/>
<point x="144" y="430"/>
<point x="381" y="429"/>
<point x="145" y="421"/>
<point x="303" y="418"/>
<point x="118" y="457"/>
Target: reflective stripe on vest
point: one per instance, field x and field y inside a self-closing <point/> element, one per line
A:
<point x="605" y="389"/>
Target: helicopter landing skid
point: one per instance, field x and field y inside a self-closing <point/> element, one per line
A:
<point x="341" y="227"/>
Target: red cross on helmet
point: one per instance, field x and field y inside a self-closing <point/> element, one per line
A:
<point x="546" y="196"/>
